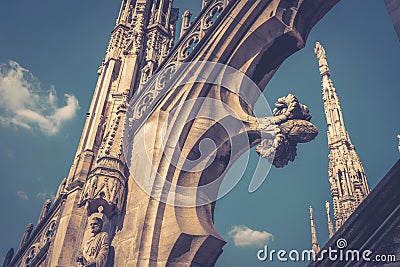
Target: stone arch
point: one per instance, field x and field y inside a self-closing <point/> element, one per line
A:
<point x="162" y="229"/>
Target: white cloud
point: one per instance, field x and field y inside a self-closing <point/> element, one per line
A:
<point x="243" y="236"/>
<point x="25" y="104"/>
<point x="22" y="195"/>
<point x="45" y="195"/>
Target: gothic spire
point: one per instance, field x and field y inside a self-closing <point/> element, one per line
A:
<point x="314" y="240"/>
<point x="337" y="133"/>
<point x="328" y="214"/>
<point x="346" y="174"/>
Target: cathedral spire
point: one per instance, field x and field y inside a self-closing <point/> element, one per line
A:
<point x="314" y="240"/>
<point x="337" y="133"/>
<point x="328" y="214"/>
<point x="346" y="174"/>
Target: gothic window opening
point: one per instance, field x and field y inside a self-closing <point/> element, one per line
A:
<point x="30" y="256"/>
<point x="48" y="235"/>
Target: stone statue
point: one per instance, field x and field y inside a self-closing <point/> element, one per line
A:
<point x="398" y="146"/>
<point x="321" y="55"/>
<point x="95" y="250"/>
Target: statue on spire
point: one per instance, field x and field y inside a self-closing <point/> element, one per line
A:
<point x="321" y="54"/>
<point x="398" y="146"/>
<point x="349" y="185"/>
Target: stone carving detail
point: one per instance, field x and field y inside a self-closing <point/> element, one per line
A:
<point x="49" y="231"/>
<point x="212" y="14"/>
<point x="27" y="234"/>
<point x="322" y="61"/>
<point x="148" y="229"/>
<point x="288" y="11"/>
<point x="152" y="90"/>
<point x="107" y="147"/>
<point x="189" y="45"/>
<point x="107" y="185"/>
<point x="173" y="19"/>
<point x="96" y="248"/>
<point x="290" y="125"/>
<point x="106" y="182"/>
<point x="127" y="36"/>
<point x="32" y="252"/>
<point x="9" y="257"/>
<point x="120" y="40"/>
<point x="349" y="185"/>
<point x="45" y="209"/>
<point x="179" y="54"/>
<point x="145" y="73"/>
<point x="185" y="21"/>
<point x="195" y="32"/>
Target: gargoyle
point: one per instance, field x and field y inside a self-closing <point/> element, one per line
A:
<point x="289" y="126"/>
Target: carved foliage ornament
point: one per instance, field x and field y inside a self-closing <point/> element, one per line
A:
<point x="291" y="125"/>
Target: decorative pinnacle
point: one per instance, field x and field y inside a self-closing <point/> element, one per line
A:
<point x="330" y="225"/>
<point x="311" y="216"/>
<point x="321" y="56"/>
<point x="314" y="240"/>
<point x="398" y="146"/>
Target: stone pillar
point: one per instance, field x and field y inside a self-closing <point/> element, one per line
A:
<point x="185" y="21"/>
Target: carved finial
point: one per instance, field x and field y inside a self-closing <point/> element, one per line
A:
<point x="98" y="213"/>
<point x="314" y="240"/>
<point x="328" y="214"/>
<point x="321" y="56"/>
<point x="27" y="234"/>
<point x="100" y="209"/>
<point x="185" y="21"/>
<point x="8" y="258"/>
<point x="45" y="209"/>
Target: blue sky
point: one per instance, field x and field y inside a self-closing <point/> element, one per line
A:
<point x="61" y="43"/>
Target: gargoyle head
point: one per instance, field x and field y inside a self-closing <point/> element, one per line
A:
<point x="293" y="126"/>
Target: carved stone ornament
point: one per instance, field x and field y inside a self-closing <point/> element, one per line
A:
<point x="96" y="247"/>
<point x="291" y="125"/>
<point x="398" y="146"/>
